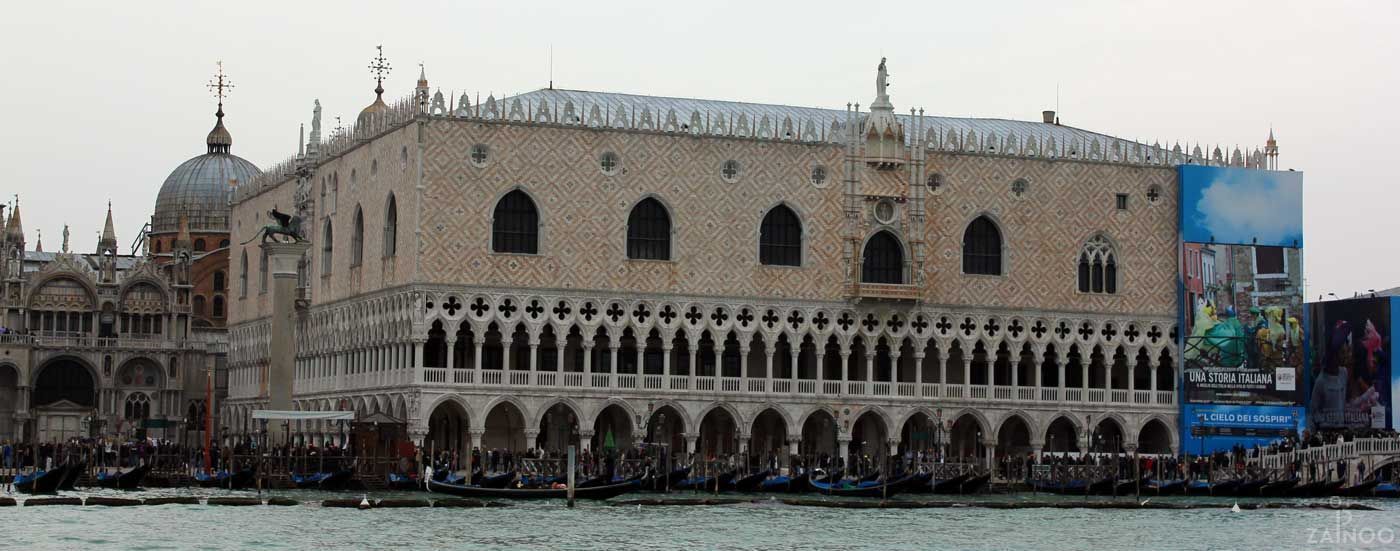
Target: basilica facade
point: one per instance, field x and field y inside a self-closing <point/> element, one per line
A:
<point x="571" y="267"/>
<point x="97" y="344"/>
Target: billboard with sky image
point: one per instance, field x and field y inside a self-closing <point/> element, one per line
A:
<point x="1351" y="378"/>
<point x="1242" y="306"/>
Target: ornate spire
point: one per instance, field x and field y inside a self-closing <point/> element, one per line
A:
<point x="39" y="245"/>
<point x="884" y="135"/>
<point x="219" y="140"/>
<point x="108" y="242"/>
<point x="15" y="228"/>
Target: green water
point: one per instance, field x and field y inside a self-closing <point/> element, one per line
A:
<point x="764" y="525"/>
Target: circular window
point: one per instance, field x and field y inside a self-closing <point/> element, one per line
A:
<point x="1018" y="187"/>
<point x="730" y="171"/>
<point x="609" y="162"/>
<point x="818" y="175"/>
<point x="884" y="211"/>
<point x="480" y="154"/>
<point x="935" y="182"/>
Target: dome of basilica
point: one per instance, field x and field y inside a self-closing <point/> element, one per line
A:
<point x="199" y="189"/>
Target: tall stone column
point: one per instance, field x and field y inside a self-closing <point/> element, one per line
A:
<point x="283" y="258"/>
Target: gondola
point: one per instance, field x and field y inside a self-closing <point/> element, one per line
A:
<point x="975" y="484"/>
<point x="725" y="481"/>
<point x="1278" y="488"/>
<point x="669" y="482"/>
<point x="855" y="490"/>
<point x="309" y="481"/>
<point x="831" y="477"/>
<point x="870" y="477"/>
<point x="206" y="480"/>
<point x="749" y="483"/>
<point x="127" y="480"/>
<point x="403" y="482"/>
<point x="336" y="481"/>
<point x="239" y="480"/>
<point x="1363" y="489"/>
<point x="1251" y="488"/>
<point x="1197" y="488"/>
<point x="496" y="482"/>
<point x="787" y="484"/>
<point x="1314" y="489"/>
<point x="540" y="481"/>
<point x="594" y="493"/>
<point x="1329" y="489"/>
<point x="1068" y="487"/>
<point x="1103" y="486"/>
<point x="1165" y="487"/>
<point x="952" y="485"/>
<point x="700" y="483"/>
<point x="1386" y="489"/>
<point x="595" y="482"/>
<point x="41" y="482"/>
<point x="1129" y="487"/>
<point x="1226" y="488"/>
<point x="70" y="479"/>
<point x="917" y="483"/>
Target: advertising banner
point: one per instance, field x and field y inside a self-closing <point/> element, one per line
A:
<point x="1239" y="206"/>
<point x="1217" y="427"/>
<point x="1351" y="376"/>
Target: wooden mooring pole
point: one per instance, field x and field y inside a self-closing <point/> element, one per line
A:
<point x="572" y="476"/>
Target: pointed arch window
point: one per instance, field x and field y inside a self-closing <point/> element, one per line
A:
<point x="357" y="238"/>
<point x="515" y="225"/>
<point x="327" y="248"/>
<point x="780" y="238"/>
<point x="391" y="225"/>
<point x="1098" y="267"/>
<point x="138" y="406"/>
<point x="883" y="260"/>
<point x="982" y="247"/>
<point x="243" y="274"/>
<point x="649" y="231"/>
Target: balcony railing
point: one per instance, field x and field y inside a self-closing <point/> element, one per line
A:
<point x="653" y="383"/>
<point x="885" y="291"/>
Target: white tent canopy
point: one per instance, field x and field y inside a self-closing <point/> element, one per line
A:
<point x="304" y="415"/>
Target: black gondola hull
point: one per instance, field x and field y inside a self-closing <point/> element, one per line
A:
<point x="595" y="493"/>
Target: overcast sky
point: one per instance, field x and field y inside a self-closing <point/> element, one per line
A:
<point x="105" y="99"/>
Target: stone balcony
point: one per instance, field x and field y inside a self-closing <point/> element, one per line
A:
<point x="885" y="291"/>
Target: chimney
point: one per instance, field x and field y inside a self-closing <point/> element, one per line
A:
<point x="1047" y="117"/>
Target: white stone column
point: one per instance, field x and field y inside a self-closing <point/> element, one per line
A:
<point x="768" y="350"/>
<point x="666" y="349"/>
<point x="451" y="352"/>
<point x="1152" y="369"/>
<point x="283" y="258"/>
<point x="918" y="373"/>
<point x="869" y="368"/>
<point x="588" y="359"/>
<point x="690" y="347"/>
<point x="477" y="341"/>
<point x="967" y="374"/>
<point x="796" y="356"/>
<point x="506" y="344"/>
<point x="894" y="365"/>
<point x="743" y="366"/>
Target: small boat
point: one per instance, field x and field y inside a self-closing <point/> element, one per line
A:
<point x="1197" y="488"/>
<point x="124" y="480"/>
<point x="310" y="481"/>
<point x="749" y="483"/>
<point x="1278" y="488"/>
<point x="206" y="480"/>
<point x="41" y="482"/>
<point x="829" y="477"/>
<point x="1314" y="489"/>
<point x="847" y="489"/>
<point x="70" y="479"/>
<point x="1363" y="489"/>
<point x="594" y="493"/>
<point x="1226" y="488"/>
<point x="1129" y="487"/>
<point x="403" y="482"/>
<point x="337" y="480"/>
<point x="917" y="483"/>
<point x="872" y="477"/>
<point x="976" y="483"/>
<point x="1067" y="487"/>
<point x="725" y="481"/>
<point x="596" y="481"/>
<point x="1103" y="486"/>
<point x="951" y="485"/>
<point x="239" y="480"/>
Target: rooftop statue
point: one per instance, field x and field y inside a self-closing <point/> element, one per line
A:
<point x="882" y="78"/>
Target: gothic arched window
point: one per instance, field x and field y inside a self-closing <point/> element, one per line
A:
<point x="357" y="238"/>
<point x="243" y="274"/>
<point x="649" y="231"/>
<point x="982" y="248"/>
<point x="327" y="247"/>
<point x="882" y="260"/>
<point x="780" y="238"/>
<point x="515" y="225"/>
<point x="1098" y="267"/>
<point x="391" y="224"/>
<point x="219" y="280"/>
<point x="138" y="406"/>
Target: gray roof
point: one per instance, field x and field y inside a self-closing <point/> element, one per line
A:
<point x="199" y="189"/>
<point x="822" y="118"/>
<point x="35" y="260"/>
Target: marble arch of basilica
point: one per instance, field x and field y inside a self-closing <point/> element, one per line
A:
<point x="986" y="286"/>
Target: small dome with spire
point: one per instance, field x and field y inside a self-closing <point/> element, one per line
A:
<point x="219" y="140"/>
<point x="380" y="68"/>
